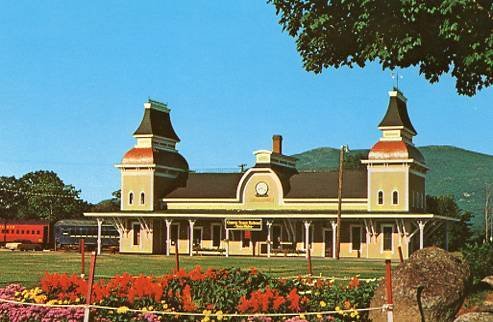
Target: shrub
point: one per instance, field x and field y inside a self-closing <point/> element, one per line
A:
<point x="480" y="260"/>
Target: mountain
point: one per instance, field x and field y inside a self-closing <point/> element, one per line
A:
<point x="453" y="171"/>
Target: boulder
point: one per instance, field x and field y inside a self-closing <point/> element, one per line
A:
<point x="475" y="317"/>
<point x="432" y="281"/>
<point x="488" y="280"/>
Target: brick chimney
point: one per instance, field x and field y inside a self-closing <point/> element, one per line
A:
<point x="277" y="144"/>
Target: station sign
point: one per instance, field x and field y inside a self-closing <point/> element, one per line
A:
<point x="244" y="224"/>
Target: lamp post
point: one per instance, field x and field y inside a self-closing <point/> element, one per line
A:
<point x="344" y="149"/>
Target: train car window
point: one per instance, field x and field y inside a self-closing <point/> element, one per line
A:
<point x="17" y="231"/>
<point x="142" y="198"/>
<point x="38" y="232"/>
<point x="27" y="232"/>
<point x="32" y="232"/>
<point x="22" y="232"/>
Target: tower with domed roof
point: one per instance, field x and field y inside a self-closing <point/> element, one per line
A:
<point x="153" y="167"/>
<point x="396" y="168"/>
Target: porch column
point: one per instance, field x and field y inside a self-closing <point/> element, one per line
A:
<point x="421" y="225"/>
<point x="227" y="241"/>
<point x="446" y="235"/>
<point x="307" y="236"/>
<point x="168" y="237"/>
<point x="334" y="229"/>
<point x="269" y="234"/>
<point x="190" y="241"/>
<point x="100" y="222"/>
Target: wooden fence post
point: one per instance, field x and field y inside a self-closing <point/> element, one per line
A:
<point x="401" y="258"/>
<point x="388" y="284"/>
<point x="309" y="258"/>
<point x="90" y="282"/>
<point x="82" y="257"/>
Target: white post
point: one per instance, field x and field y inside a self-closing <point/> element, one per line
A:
<point x="269" y="234"/>
<point x="334" y="228"/>
<point x="100" y="222"/>
<point x="227" y="242"/>
<point x="446" y="235"/>
<point x="307" y="236"/>
<point x="168" y="237"/>
<point x="421" y="225"/>
<point x="190" y="241"/>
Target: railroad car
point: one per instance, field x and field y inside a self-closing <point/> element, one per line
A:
<point x="25" y="232"/>
<point x="69" y="232"/>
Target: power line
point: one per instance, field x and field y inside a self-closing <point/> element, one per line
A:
<point x="38" y="194"/>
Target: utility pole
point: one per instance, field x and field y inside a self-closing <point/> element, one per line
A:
<point x="344" y="148"/>
<point x="487" y="212"/>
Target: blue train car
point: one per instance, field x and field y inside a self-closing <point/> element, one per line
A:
<point x="69" y="232"/>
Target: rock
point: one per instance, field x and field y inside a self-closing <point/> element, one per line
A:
<point x="475" y="317"/>
<point x="488" y="280"/>
<point x="442" y="280"/>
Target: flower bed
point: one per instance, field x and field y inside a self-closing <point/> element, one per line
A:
<point x="212" y="293"/>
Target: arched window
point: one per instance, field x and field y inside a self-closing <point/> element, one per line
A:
<point x="380" y="197"/>
<point x="142" y="198"/>
<point x="395" y="198"/>
<point x="131" y="198"/>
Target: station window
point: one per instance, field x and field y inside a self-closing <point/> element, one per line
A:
<point x="216" y="235"/>
<point x="380" y="197"/>
<point x="387" y="237"/>
<point x="142" y="198"/>
<point x="355" y="238"/>
<point x="131" y="198"/>
<point x="395" y="198"/>
<point x="136" y="230"/>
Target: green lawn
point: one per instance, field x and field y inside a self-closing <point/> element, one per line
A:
<point x="27" y="267"/>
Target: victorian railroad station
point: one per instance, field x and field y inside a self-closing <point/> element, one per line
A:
<point x="272" y="209"/>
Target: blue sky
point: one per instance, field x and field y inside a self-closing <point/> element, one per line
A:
<point x="74" y="77"/>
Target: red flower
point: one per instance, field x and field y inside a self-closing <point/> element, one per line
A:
<point x="354" y="283"/>
<point x="294" y="300"/>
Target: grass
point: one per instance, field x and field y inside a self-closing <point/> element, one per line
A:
<point x="27" y="267"/>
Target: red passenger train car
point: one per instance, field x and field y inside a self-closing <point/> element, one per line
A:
<point x="25" y="231"/>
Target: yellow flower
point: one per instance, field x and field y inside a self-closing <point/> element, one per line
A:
<point x="319" y="316"/>
<point x="77" y="300"/>
<point x="323" y="304"/>
<point x="302" y="316"/>
<point x="219" y="315"/>
<point x="122" y="310"/>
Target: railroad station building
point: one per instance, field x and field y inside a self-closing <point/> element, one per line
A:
<point x="272" y="208"/>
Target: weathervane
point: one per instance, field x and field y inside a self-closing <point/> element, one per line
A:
<point x="395" y="77"/>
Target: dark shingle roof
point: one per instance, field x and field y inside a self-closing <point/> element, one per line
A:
<point x="158" y="123"/>
<point x="302" y="185"/>
<point x="397" y="114"/>
<point x="325" y="184"/>
<point x="208" y="185"/>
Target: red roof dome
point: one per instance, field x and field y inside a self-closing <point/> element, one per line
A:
<point x="138" y="156"/>
<point x="395" y="150"/>
<point x="155" y="156"/>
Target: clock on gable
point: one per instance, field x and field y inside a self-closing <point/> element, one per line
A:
<point x="261" y="188"/>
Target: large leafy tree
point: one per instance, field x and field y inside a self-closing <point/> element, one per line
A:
<point x="439" y="36"/>
<point x="459" y="232"/>
<point x="11" y="197"/>
<point x="48" y="197"/>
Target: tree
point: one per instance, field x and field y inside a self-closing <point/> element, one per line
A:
<point x="460" y="232"/>
<point x="48" y="197"/>
<point x="109" y="205"/>
<point x="353" y="161"/>
<point x="438" y="36"/>
<point x="10" y="197"/>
